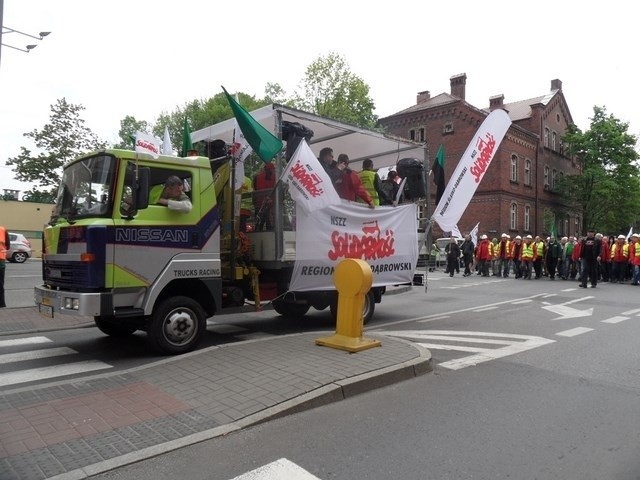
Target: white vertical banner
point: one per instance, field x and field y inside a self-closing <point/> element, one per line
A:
<point x="167" y="148"/>
<point x="240" y="150"/>
<point x="309" y="184"/>
<point x="471" y="169"/>
<point x="386" y="238"/>
<point x="474" y="234"/>
<point x="146" y="143"/>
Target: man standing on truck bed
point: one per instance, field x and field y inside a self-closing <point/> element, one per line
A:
<point x="173" y="196"/>
<point x="329" y="164"/>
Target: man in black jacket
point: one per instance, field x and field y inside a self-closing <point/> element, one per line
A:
<point x="590" y="256"/>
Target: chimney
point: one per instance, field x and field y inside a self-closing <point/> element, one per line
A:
<point x="423" y="97"/>
<point x="458" y="83"/>
<point x="497" y="101"/>
<point x="556" y="85"/>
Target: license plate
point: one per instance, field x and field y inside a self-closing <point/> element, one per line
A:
<point x="45" y="310"/>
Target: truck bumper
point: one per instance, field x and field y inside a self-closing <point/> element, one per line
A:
<point x="71" y="303"/>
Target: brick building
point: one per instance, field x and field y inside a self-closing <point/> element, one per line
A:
<point x="517" y="194"/>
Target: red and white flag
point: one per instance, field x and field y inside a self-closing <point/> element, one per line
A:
<point x="309" y="184"/>
<point x="470" y="170"/>
<point x="146" y="143"/>
<point x="240" y="150"/>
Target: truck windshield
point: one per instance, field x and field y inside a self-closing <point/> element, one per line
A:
<point x="86" y="188"/>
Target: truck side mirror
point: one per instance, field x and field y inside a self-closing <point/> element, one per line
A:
<point x="142" y="192"/>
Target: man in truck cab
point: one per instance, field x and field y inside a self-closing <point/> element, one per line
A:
<point x="173" y="196"/>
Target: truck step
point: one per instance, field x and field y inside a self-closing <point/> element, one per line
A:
<point x="126" y="312"/>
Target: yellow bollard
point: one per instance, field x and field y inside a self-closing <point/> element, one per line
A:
<point x="353" y="279"/>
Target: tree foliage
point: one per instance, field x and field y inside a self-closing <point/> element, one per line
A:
<point x="608" y="189"/>
<point x="129" y="125"/>
<point x="64" y="138"/>
<point x="39" y="197"/>
<point x="330" y="89"/>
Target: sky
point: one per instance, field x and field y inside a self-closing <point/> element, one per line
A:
<point x="143" y="57"/>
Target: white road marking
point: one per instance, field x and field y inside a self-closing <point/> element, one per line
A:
<point x="35" y="354"/>
<point x="550" y="295"/>
<point x="574" y="331"/>
<point x="568" y="290"/>
<point x="631" y="312"/>
<point x="568" y="312"/>
<point x="441" y="317"/>
<point x="486" y="309"/>
<point x="617" y="319"/>
<point x="514" y="344"/>
<point x="279" y="470"/>
<point x="521" y="301"/>
<point x="43" y="373"/>
<point x="16" y="342"/>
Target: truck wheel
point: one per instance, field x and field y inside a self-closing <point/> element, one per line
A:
<point x="176" y="325"/>
<point x="367" y="311"/>
<point x="113" y="329"/>
<point x="290" y="310"/>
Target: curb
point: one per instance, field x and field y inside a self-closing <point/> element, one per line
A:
<point x="330" y="393"/>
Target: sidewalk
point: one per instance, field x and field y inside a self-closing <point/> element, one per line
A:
<point x="78" y="428"/>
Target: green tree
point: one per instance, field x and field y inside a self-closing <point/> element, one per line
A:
<point x="38" y="197"/>
<point x="64" y="138"/>
<point x="608" y="189"/>
<point x="129" y="125"/>
<point x="8" y="197"/>
<point x="330" y="89"/>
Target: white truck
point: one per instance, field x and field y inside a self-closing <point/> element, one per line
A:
<point x="111" y="253"/>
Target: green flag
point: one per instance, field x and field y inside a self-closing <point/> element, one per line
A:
<point x="263" y="142"/>
<point x="554" y="231"/>
<point x="186" y="139"/>
<point x="438" y="173"/>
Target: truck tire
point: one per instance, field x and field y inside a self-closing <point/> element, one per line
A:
<point x="176" y="325"/>
<point x="367" y="311"/>
<point x="290" y="310"/>
<point x="114" y="329"/>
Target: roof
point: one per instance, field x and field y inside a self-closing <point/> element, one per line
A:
<point x="438" y="100"/>
<point x="357" y="142"/>
<point x="522" y="109"/>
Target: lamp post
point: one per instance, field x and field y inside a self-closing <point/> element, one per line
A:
<point x="6" y="30"/>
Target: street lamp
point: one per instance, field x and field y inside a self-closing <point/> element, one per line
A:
<point x="28" y="48"/>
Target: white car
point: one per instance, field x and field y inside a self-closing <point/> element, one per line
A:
<point x="20" y="250"/>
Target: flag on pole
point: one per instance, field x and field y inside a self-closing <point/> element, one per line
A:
<point x="167" y="148"/>
<point x="630" y="233"/>
<point x="554" y="231"/>
<point x="146" y="143"/>
<point x="438" y="173"/>
<point x="455" y="232"/>
<point x="186" y="139"/>
<point x="263" y="142"/>
<point x="474" y="234"/>
<point x="309" y="183"/>
<point x="240" y="150"/>
<point x="472" y="166"/>
<point x="396" y="200"/>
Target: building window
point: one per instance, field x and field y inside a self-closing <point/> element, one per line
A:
<point x="447" y="128"/>
<point x="514" y="168"/>
<point x="558" y="117"/>
<point x="421" y="135"/>
<point x="546" y="177"/>
<point x="514" y="216"/>
<point x="527" y="218"/>
<point x="565" y="230"/>
<point x="527" y="172"/>
<point x="576" y="230"/>
<point x="412" y="134"/>
<point x="553" y="141"/>
<point x="546" y="137"/>
<point x="554" y="178"/>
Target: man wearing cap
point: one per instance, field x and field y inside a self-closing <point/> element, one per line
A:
<point x="527" y="257"/>
<point x="515" y="253"/>
<point x="634" y="258"/>
<point x="619" y="259"/>
<point x="482" y="256"/>
<point x="553" y="257"/>
<point x="173" y="196"/>
<point x="589" y="257"/>
<point x="503" y="255"/>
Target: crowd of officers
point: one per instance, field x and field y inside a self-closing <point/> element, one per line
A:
<point x="591" y="258"/>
